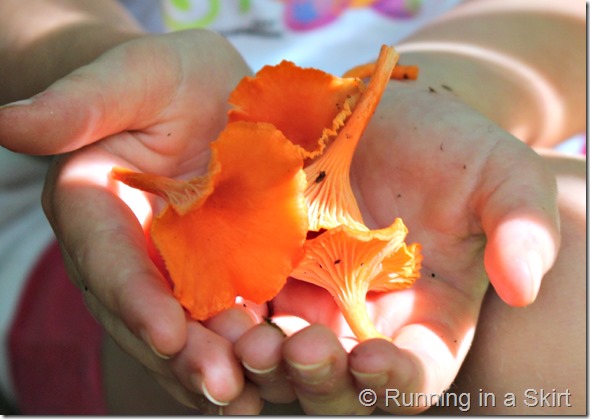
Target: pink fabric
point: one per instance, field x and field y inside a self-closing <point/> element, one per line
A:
<point x="54" y="345"/>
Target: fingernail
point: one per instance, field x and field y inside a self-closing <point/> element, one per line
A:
<point x="373" y="380"/>
<point x="313" y="373"/>
<point x="535" y="265"/>
<point x="259" y="371"/>
<point x="24" y="102"/>
<point x="146" y="338"/>
<point x="210" y="397"/>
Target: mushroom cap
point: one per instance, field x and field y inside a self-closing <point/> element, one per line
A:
<point x="344" y="258"/>
<point x="348" y="263"/>
<point x="246" y="235"/>
<point x="308" y="105"/>
<point x="311" y="108"/>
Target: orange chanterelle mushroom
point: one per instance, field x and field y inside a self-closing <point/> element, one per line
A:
<point x="279" y="169"/>
<point x="349" y="263"/>
<point x="326" y="116"/>
<point x="238" y="231"/>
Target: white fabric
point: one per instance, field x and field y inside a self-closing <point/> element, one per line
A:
<point x="261" y="36"/>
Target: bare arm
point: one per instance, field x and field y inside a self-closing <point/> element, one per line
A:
<point x="43" y="40"/>
<point x="522" y="64"/>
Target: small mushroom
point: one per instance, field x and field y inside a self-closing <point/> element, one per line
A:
<point x="348" y="263"/>
<point x="237" y="231"/>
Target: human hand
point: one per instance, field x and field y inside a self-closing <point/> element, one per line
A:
<point x="481" y="204"/>
<point x="152" y="104"/>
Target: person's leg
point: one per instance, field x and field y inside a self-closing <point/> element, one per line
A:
<point x="533" y="360"/>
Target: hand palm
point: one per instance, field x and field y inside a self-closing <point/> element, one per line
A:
<point x="443" y="168"/>
<point x="441" y="310"/>
<point x="175" y="100"/>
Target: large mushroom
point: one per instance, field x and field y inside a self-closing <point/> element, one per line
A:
<point x="237" y="231"/>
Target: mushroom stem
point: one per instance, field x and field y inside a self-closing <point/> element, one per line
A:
<point x="354" y="310"/>
<point x="349" y="136"/>
<point x="324" y="198"/>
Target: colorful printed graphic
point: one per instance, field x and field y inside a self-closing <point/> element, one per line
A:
<point x="187" y="14"/>
<point x="304" y="15"/>
<point x="298" y="15"/>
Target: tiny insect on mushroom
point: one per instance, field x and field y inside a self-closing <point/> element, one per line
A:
<point x="348" y="263"/>
<point x="237" y="231"/>
<point x="399" y="72"/>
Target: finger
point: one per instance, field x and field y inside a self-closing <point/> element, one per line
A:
<point x="130" y="388"/>
<point x="185" y="396"/>
<point x="260" y="351"/>
<point x="234" y="322"/>
<point x="87" y="100"/>
<point x="107" y="248"/>
<point x="87" y="105"/>
<point x="520" y="250"/>
<point x="126" y="340"/>
<point x="156" y="365"/>
<point x="247" y="403"/>
<point x="207" y="366"/>
<point x="160" y="77"/>
<point x="318" y="367"/>
<point x="521" y="222"/>
<point x="409" y="374"/>
<point x="206" y="362"/>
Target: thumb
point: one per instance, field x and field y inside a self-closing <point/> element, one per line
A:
<point x="105" y="97"/>
<point x="521" y="222"/>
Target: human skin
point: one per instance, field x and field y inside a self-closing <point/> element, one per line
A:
<point x="497" y="89"/>
<point x="457" y="295"/>
<point x="500" y="335"/>
<point x="541" y="348"/>
<point x="448" y="169"/>
<point x="163" y="330"/>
